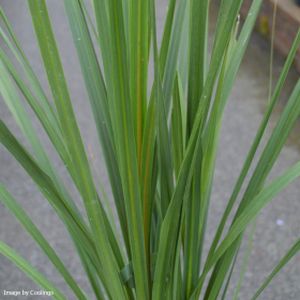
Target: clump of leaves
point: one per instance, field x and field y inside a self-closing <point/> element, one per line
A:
<point x="159" y="146"/>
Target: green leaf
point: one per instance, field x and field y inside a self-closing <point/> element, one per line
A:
<point x="25" y="220"/>
<point x="16" y="49"/>
<point x="285" y="259"/>
<point x="148" y="185"/>
<point x="159" y="143"/>
<point x="36" y="276"/>
<point x="170" y="65"/>
<point x="125" y="140"/>
<point x="96" y="88"/>
<point x="257" y="140"/>
<point x="177" y="125"/>
<point x="138" y="49"/>
<point x="70" y="130"/>
<point x="170" y="226"/>
<point x="198" y="57"/>
<point x="79" y="232"/>
<point x="245" y="261"/>
<point x="241" y="222"/>
<point x="265" y="164"/>
<point x="169" y="24"/>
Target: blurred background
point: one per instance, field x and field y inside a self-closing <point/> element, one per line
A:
<point x="277" y="227"/>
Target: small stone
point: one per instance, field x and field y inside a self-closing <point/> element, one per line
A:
<point x="279" y="222"/>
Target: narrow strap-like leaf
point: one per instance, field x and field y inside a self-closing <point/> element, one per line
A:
<point x="30" y="227"/>
<point x="14" y="46"/>
<point x="284" y="260"/>
<point x="78" y="231"/>
<point x="198" y="57"/>
<point x="170" y="224"/>
<point x="261" y="200"/>
<point x="31" y="272"/>
<point x="138" y="49"/>
<point x="167" y="33"/>
<point x="125" y="139"/>
<point x="75" y="145"/>
<point x="96" y="89"/>
<point x="168" y="73"/>
<point x="257" y="139"/>
<point x="177" y="129"/>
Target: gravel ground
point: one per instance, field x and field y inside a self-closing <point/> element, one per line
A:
<point x="277" y="227"/>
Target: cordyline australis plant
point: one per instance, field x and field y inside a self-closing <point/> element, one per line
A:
<point x="159" y="142"/>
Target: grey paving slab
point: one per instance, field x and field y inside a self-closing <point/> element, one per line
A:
<point x="277" y="227"/>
